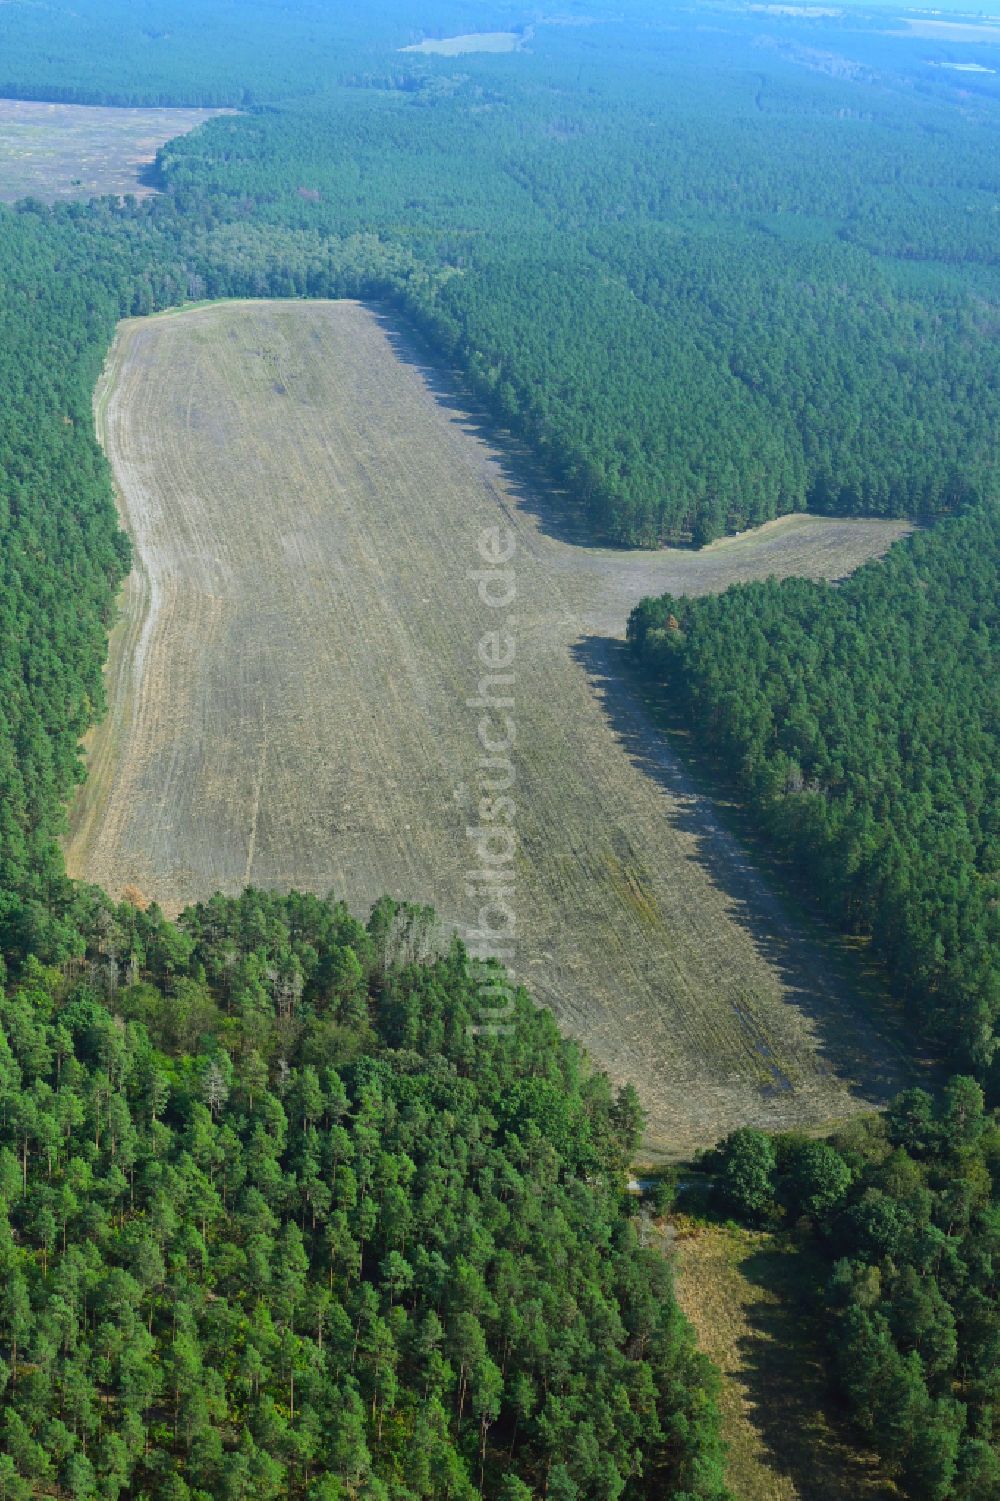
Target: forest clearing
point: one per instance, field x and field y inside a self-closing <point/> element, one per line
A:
<point x="746" y="1294"/>
<point x="475" y="41"/>
<point x="58" y="151"/>
<point x="288" y="706"/>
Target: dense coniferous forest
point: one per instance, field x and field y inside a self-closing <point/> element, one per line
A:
<point x="636" y="245"/>
<point x="277" y="1224"/>
<point x="862" y="723"/>
<point x="273" y="1225"/>
<point x="902" y="1213"/>
<point x="660" y="342"/>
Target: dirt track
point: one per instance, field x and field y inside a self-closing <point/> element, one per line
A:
<point x="288" y="695"/>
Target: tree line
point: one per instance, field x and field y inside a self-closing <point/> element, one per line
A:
<point x="861" y="723"/>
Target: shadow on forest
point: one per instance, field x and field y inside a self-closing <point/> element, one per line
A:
<point x="850" y="1044"/>
<point x="534" y="491"/>
<point x="798" y="1418"/>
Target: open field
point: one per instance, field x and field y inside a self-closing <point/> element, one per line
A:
<point x="59" y="151"/>
<point x="743" y="1292"/>
<point x="475" y="41"/>
<point x="982" y="30"/>
<point x="289" y="687"/>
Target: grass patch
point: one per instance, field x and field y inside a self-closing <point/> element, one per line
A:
<point x="749" y="1295"/>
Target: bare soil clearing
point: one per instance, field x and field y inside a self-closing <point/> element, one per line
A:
<point x="289" y="685"/>
<point x="60" y="151"/>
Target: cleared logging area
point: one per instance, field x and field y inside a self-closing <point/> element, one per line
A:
<point x="59" y="151"/>
<point x="289" y="686"/>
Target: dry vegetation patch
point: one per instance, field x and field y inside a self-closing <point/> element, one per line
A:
<point x="289" y="687"/>
<point x="745" y="1293"/>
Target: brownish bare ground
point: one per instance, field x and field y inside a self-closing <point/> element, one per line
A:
<point x="744" y="1291"/>
<point x="59" y="151"/>
<point x="288" y="692"/>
